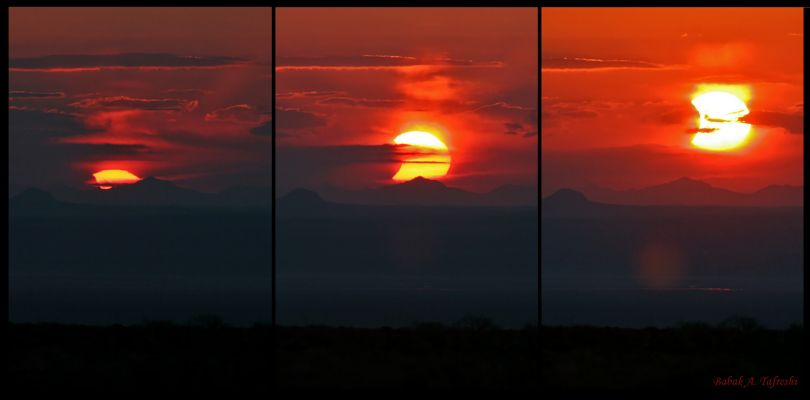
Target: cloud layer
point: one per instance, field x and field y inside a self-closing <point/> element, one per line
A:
<point x="95" y="62"/>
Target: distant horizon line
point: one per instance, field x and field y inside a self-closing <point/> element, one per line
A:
<point x="578" y="187"/>
<point x="85" y="186"/>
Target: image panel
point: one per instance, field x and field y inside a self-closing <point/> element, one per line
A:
<point x="672" y="196"/>
<point x="407" y="192"/>
<point x="139" y="189"/>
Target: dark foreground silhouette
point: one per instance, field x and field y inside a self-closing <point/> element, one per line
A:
<point x="157" y="357"/>
<point x="688" y="358"/>
<point x="472" y="354"/>
<point x="209" y="355"/>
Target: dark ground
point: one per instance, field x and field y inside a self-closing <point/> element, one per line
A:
<point x="683" y="359"/>
<point x="476" y="356"/>
<point x="155" y="357"/>
<point x="207" y="355"/>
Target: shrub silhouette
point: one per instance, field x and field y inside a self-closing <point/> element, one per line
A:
<point x="475" y="323"/>
<point x="686" y="357"/>
<point x="741" y="323"/>
<point x="209" y="321"/>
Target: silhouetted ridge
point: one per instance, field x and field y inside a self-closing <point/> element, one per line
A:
<point x="569" y="202"/>
<point x="686" y="183"/>
<point x="301" y="203"/>
<point x="34" y="198"/>
<point x="302" y="197"/>
<point x="785" y="195"/>
<point x="420" y="186"/>
<point x="420" y="182"/>
<point x="36" y="202"/>
<point x="155" y="192"/>
<point x="567" y="197"/>
<point x="152" y="191"/>
<point x="426" y="192"/>
<point x="685" y="180"/>
<point x="153" y="183"/>
<point x="691" y="192"/>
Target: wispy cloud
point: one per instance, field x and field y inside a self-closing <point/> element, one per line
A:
<point x="99" y="62"/>
<point x="368" y="62"/>
<point x="308" y="94"/>
<point x="569" y="64"/>
<point x="235" y="113"/>
<point x="361" y="102"/>
<point x="27" y="95"/>
<point x="131" y="103"/>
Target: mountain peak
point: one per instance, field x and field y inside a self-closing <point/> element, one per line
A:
<point x="301" y="202"/>
<point x="423" y="182"/>
<point x="692" y="192"/>
<point x="34" y="196"/>
<point x="685" y="180"/>
<point x="569" y="202"/>
<point x="151" y="181"/>
<point x="682" y="183"/>
<point x="302" y="196"/>
<point x="567" y="196"/>
<point x="781" y="195"/>
<point x="775" y="187"/>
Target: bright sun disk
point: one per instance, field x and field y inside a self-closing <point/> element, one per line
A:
<point x="434" y="163"/>
<point x="105" y="179"/>
<point x="719" y="128"/>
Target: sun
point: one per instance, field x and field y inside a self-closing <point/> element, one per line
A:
<point x="108" y="178"/>
<point x="719" y="128"/>
<point x="428" y="156"/>
<point x="420" y="138"/>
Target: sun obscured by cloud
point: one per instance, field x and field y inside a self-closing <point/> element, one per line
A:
<point x="616" y="108"/>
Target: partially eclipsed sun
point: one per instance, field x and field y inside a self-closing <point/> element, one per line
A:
<point x="430" y="158"/>
<point x="719" y="128"/>
<point x="107" y="178"/>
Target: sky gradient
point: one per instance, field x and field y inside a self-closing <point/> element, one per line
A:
<point x="617" y="83"/>
<point x="181" y="94"/>
<point x="350" y="80"/>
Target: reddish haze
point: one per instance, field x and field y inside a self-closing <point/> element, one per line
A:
<point x="350" y="80"/>
<point x="617" y="85"/>
<point x="179" y="93"/>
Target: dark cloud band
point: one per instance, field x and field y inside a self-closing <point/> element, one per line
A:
<point x="94" y="62"/>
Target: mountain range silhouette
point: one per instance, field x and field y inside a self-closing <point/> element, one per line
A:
<point x="691" y="192"/>
<point x="150" y="191"/>
<point x="569" y="203"/>
<point x="427" y="192"/>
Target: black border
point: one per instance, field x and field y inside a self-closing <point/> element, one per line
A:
<point x="273" y="195"/>
<point x="506" y="3"/>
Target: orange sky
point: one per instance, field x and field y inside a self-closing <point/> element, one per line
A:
<point x="351" y="79"/>
<point x="616" y="87"/>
